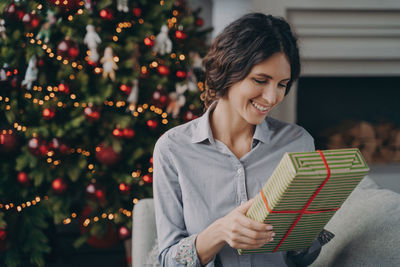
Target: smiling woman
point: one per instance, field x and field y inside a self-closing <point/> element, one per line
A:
<point x="207" y="171"/>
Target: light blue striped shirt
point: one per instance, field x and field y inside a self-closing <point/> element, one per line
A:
<point x="198" y="180"/>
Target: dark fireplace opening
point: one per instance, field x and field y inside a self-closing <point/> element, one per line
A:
<point x="361" y="112"/>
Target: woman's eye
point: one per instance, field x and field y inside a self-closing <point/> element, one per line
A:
<point x="259" y="81"/>
<point x="282" y="85"/>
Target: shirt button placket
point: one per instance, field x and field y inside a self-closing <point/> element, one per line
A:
<point x="242" y="194"/>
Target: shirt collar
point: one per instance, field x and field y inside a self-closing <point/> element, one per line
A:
<point x="203" y="129"/>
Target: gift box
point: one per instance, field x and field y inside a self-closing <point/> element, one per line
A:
<point x="303" y="193"/>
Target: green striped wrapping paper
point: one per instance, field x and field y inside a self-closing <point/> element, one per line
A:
<point x="292" y="184"/>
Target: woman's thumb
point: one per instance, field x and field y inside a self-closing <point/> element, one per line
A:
<point x="245" y="206"/>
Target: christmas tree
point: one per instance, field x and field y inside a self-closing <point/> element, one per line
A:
<point x="87" y="87"/>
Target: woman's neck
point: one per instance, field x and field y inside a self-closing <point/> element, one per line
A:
<point x="229" y="127"/>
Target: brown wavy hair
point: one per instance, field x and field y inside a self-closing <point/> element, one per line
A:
<point x="243" y="44"/>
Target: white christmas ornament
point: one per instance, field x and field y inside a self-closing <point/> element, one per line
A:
<point x="196" y="60"/>
<point x="162" y="43"/>
<point x="109" y="65"/>
<point x="191" y="80"/>
<point x="89" y="5"/>
<point x="176" y="100"/>
<point x="2" y="29"/>
<point x="31" y="73"/>
<point x="3" y="74"/>
<point x="133" y="96"/>
<point x="92" y="40"/>
<point x="45" y="29"/>
<point x="122" y="5"/>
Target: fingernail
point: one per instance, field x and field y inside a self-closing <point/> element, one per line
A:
<point x="273" y="234"/>
<point x="272" y="239"/>
<point x="269" y="227"/>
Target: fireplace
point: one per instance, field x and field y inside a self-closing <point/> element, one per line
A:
<point x="361" y="112"/>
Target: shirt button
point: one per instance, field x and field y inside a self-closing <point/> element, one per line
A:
<point x="243" y="201"/>
<point x="239" y="171"/>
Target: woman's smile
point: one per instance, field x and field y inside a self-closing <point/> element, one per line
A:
<point x="260" y="108"/>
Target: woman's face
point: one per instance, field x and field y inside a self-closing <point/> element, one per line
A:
<point x="262" y="89"/>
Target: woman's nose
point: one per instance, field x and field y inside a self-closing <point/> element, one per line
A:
<point x="270" y="94"/>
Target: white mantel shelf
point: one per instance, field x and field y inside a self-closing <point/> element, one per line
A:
<point x="347" y="38"/>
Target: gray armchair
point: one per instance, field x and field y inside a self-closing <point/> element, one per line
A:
<point x="366" y="228"/>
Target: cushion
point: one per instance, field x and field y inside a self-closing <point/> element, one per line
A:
<point x="143" y="232"/>
<point x="366" y="228"/>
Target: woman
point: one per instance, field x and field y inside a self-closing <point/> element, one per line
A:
<point x="207" y="171"/>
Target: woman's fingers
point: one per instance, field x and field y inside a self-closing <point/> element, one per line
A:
<point x="253" y="234"/>
<point x="251" y="224"/>
<point x="239" y="241"/>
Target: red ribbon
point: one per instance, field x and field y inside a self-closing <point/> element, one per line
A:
<point x="304" y="210"/>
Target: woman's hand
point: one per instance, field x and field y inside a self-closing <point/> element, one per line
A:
<point x="241" y="232"/>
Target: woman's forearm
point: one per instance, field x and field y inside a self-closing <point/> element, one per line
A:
<point x="209" y="242"/>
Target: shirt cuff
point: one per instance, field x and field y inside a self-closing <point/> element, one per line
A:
<point x="187" y="253"/>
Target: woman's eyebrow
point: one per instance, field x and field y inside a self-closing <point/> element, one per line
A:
<point x="270" y="77"/>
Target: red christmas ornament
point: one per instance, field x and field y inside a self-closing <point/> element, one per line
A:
<point x="59" y="186"/>
<point x="8" y="142"/>
<point x="49" y="113"/>
<point x="23" y="179"/>
<point x="3" y="236"/>
<point x="199" y="22"/>
<point x="181" y="74"/>
<point x="92" y="63"/>
<point x="125" y="88"/>
<point x="124" y="233"/>
<point x="163" y="70"/>
<point x="189" y="116"/>
<point x="109" y="239"/>
<point x="180" y="35"/>
<point x="31" y="21"/>
<point x="118" y="133"/>
<point x="68" y="49"/>
<point x="91" y="113"/>
<point x="43" y="149"/>
<point x="63" y="88"/>
<point x="106" y="14"/>
<point x="100" y="195"/>
<point x="152" y="124"/>
<point x="147" y="179"/>
<point x="124" y="188"/>
<point x="106" y="155"/>
<point x="128" y="133"/>
<point x="151" y="160"/>
<point x="40" y="62"/>
<point x="148" y="42"/>
<point x="63" y="149"/>
<point x="137" y="11"/>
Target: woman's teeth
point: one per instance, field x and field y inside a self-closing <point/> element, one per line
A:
<point x="259" y="107"/>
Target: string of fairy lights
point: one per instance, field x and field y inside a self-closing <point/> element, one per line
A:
<point x="86" y="221"/>
<point x="20" y="207"/>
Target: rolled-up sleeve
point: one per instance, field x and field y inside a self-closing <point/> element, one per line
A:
<point x="176" y="247"/>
